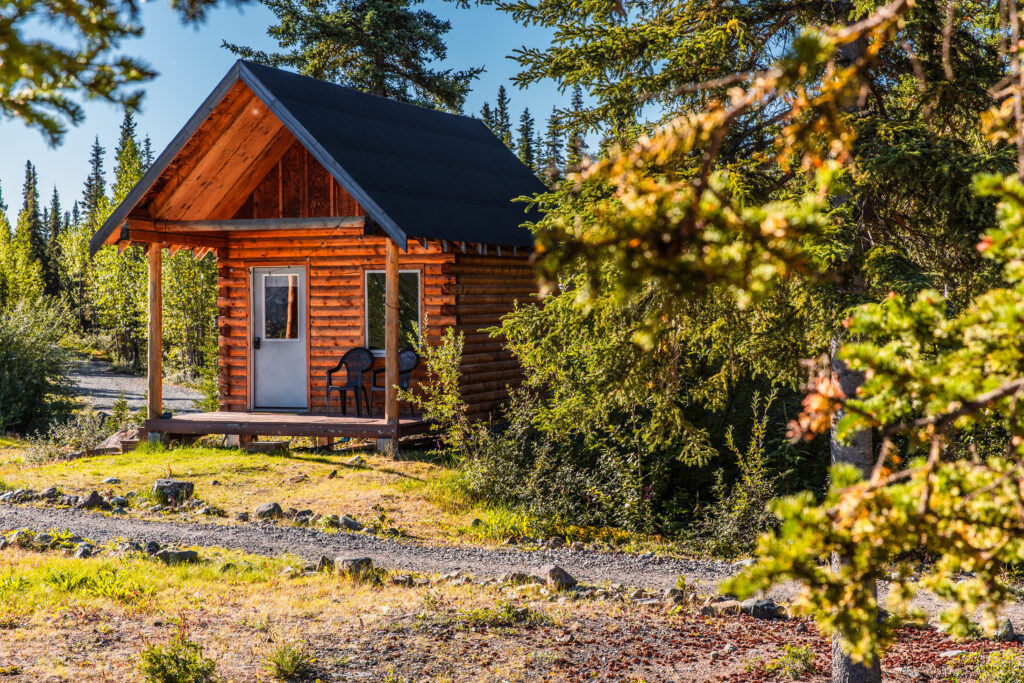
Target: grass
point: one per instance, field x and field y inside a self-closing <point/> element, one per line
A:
<point x="421" y="498"/>
<point x="288" y="662"/>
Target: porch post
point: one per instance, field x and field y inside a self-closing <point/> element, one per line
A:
<point x="153" y="365"/>
<point x="391" y="336"/>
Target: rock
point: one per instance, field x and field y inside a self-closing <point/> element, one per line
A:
<point x="298" y="479"/>
<point x="743" y="564"/>
<point x="673" y="596"/>
<point x="172" y="490"/>
<point x="332" y="474"/>
<point x="729" y="648"/>
<point x="226" y="567"/>
<point x="638" y="594"/>
<point x="269" y="511"/>
<point x="44" y="540"/>
<point x="118" y="501"/>
<point x="517" y="578"/>
<point x="950" y="654"/>
<point x="557" y="577"/>
<point x="68" y="501"/>
<point x="7" y="497"/>
<point x="721" y="609"/>
<point x="350" y="523"/>
<point x="151" y="548"/>
<point x="157" y="508"/>
<point x="3" y="543"/>
<point x="476" y="523"/>
<point x="331" y="522"/>
<point x="48" y="494"/>
<point x="527" y="540"/>
<point x="555" y="543"/>
<point x="214" y="483"/>
<point x="421" y="581"/>
<point x="93" y="501"/>
<point x="1004" y="631"/>
<point x="242" y="517"/>
<point x="356" y="461"/>
<point x="22" y="539"/>
<point x="577" y="546"/>
<point x="83" y="551"/>
<point x="111" y="480"/>
<point x="401" y="580"/>
<point x="353" y="566"/>
<point x="761" y="609"/>
<point x="177" y="556"/>
<point x="324" y="564"/>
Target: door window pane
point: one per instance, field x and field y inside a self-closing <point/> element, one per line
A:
<point x="408" y="307"/>
<point x="281" y="306"/>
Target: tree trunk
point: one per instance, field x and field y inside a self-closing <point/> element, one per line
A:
<point x="859" y="454"/>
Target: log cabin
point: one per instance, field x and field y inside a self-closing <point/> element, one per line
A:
<point x="338" y="219"/>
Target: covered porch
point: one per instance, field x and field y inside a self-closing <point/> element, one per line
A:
<point x="286" y="424"/>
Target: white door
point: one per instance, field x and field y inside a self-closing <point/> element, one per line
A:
<point x="279" y="337"/>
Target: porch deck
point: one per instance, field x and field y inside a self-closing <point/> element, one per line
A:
<point x="286" y="424"/>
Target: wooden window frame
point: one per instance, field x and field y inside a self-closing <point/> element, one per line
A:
<point x="379" y="353"/>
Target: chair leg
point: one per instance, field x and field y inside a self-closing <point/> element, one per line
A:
<point x="369" y="405"/>
<point x="328" y="401"/>
<point x="357" y="395"/>
<point x="343" y="393"/>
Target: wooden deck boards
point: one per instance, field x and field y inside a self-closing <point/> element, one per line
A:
<point x="285" y="424"/>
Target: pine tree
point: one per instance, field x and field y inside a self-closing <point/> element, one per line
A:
<point x="576" y="146"/>
<point x="553" y="146"/>
<point x="487" y="116"/>
<point x="525" y="144"/>
<point x="503" y="119"/>
<point x="147" y="152"/>
<point x="95" y="185"/>
<point x="5" y="253"/>
<point x="382" y="47"/>
<point x="53" y="222"/>
<point x="27" y="253"/>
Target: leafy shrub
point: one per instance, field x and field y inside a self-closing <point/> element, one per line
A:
<point x="69" y="439"/>
<point x="1003" y="666"/>
<point x="123" y="417"/>
<point x="794" y="662"/>
<point x="288" y="662"/>
<point x="179" y="661"/>
<point x="506" y="614"/>
<point x="33" y="382"/>
<point x="732" y="524"/>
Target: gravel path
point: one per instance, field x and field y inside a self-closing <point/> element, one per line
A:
<point x="310" y="544"/>
<point x="101" y="386"/>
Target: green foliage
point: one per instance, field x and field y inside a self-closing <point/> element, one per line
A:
<point x="506" y="614"/>
<point x="34" y="387"/>
<point x="382" y="47"/>
<point x="1001" y="666"/>
<point x="181" y="660"/>
<point x="796" y="661"/>
<point x="190" y="306"/>
<point x="71" y="438"/>
<point x="288" y="662"/>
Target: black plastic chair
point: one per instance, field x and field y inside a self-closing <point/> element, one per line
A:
<point x="408" y="359"/>
<point x="356" y="362"/>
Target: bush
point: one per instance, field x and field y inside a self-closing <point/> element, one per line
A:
<point x="70" y="439"/>
<point x="288" y="662"/>
<point x="1003" y="666"/>
<point x="33" y="382"/>
<point x="796" y="661"/>
<point x="180" y="661"/>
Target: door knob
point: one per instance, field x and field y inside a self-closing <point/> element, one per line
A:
<point x="256" y="343"/>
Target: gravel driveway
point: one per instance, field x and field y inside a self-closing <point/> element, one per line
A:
<point x="101" y="386"/>
<point x="310" y="544"/>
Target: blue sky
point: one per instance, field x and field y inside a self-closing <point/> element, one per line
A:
<point x="190" y="62"/>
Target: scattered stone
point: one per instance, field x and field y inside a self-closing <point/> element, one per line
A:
<point x="729" y="648"/>
<point x="476" y="523"/>
<point x="242" y="517"/>
<point x="421" y="581"/>
<point x="111" y="480"/>
<point x="638" y="594"/>
<point x="227" y="567"/>
<point x="761" y="609"/>
<point x="557" y="577"/>
<point x="721" y="609"/>
<point x="7" y="497"/>
<point x="517" y="578"/>
<point x="118" y="501"/>
<point x="674" y="596"/>
<point x="93" y="501"/>
<point x="3" y="543"/>
<point x="157" y="508"/>
<point x="350" y="523"/>
<point x="22" y="539"/>
<point x="269" y="511"/>
<point x="172" y="490"/>
<point x="527" y="540"/>
<point x="151" y="548"/>
<point x="83" y="551"/>
<point x="332" y="474"/>
<point x="356" y="461"/>
<point x="48" y="494"/>
<point x="555" y="543"/>
<point x="303" y="517"/>
<point x="802" y="627"/>
<point x="214" y="483"/>
<point x="330" y="522"/>
<point x="324" y="564"/>
<point x="353" y="566"/>
<point x="401" y="580"/>
<point x="743" y="564"/>
<point x="1004" y="631"/>
<point x="950" y="654"/>
<point x="577" y="546"/>
<point x="44" y="540"/>
<point x="177" y="556"/>
<point x="68" y="501"/>
<point x="647" y="602"/>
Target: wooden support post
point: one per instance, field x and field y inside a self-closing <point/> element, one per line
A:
<point x="391" y="335"/>
<point x="154" y="359"/>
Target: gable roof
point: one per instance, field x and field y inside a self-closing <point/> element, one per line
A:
<point x="417" y="172"/>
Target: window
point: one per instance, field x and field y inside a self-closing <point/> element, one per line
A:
<point x="281" y="307"/>
<point x="408" y="307"/>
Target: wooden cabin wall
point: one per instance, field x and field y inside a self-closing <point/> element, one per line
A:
<point x="335" y="261"/>
<point x="486" y="287"/>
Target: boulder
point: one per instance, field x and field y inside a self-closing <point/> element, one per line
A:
<point x="324" y="564"/>
<point x="401" y="580"/>
<point x="48" y="494"/>
<point x="1004" y="631"/>
<point x="152" y="548"/>
<point x="20" y="538"/>
<point x="332" y="522"/>
<point x="577" y="546"/>
<point x="93" y="501"/>
<point x="674" y="596"/>
<point x="353" y="566"/>
<point x="269" y="511"/>
<point x="44" y="540"/>
<point x="350" y="523"/>
<point x="242" y="517"/>
<point x="83" y="551"/>
<point x="111" y="480"/>
<point x="555" y="543"/>
<point x="303" y="517"/>
<point x="721" y="609"/>
<point x="118" y="501"/>
<point x="177" y="556"/>
<point x="761" y="609"/>
<point x="557" y="577"/>
<point x="172" y="490"/>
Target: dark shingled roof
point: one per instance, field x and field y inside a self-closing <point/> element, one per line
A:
<point x="417" y="172"/>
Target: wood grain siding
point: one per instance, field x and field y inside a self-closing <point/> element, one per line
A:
<point x="486" y="287"/>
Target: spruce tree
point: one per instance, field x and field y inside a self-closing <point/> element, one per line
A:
<point x="553" y="146"/>
<point x="382" y="47"/>
<point x="5" y="253"/>
<point x="525" y="142"/>
<point x="503" y="118"/>
<point x="54" y="224"/>
<point x="95" y="185"/>
<point x="487" y="116"/>
<point x="27" y="248"/>
<point x="576" y="145"/>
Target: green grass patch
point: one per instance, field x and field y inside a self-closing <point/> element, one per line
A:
<point x="288" y="662"/>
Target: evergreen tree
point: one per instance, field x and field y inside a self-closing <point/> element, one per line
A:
<point x="54" y="222"/>
<point x="576" y="145"/>
<point x="5" y="253"/>
<point x="147" y="152"/>
<point x="553" y="146"/>
<point x="382" y="47"/>
<point x="503" y="119"/>
<point x="27" y="250"/>
<point x="487" y="116"/>
<point x="527" y="138"/>
<point x="95" y="185"/>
